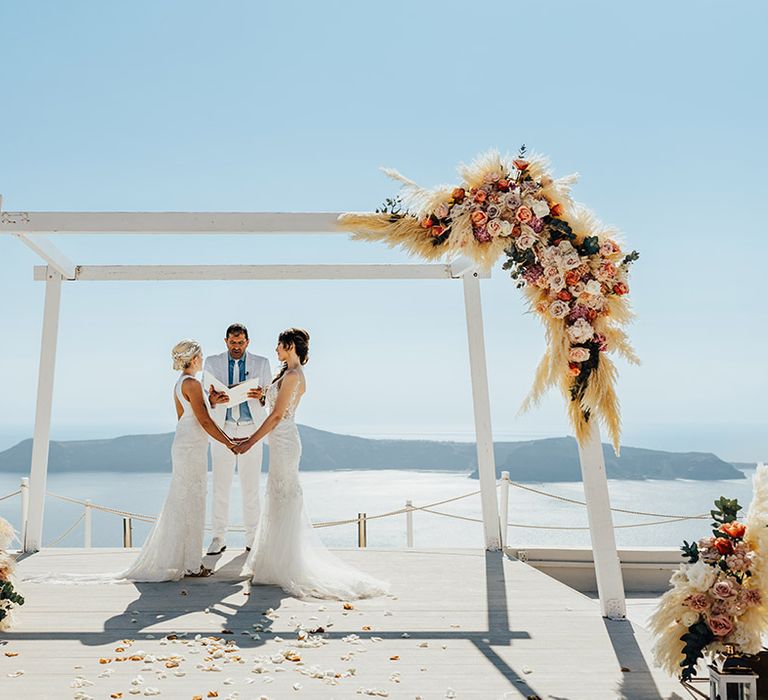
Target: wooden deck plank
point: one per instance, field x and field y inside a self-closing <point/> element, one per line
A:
<point x="494" y="628"/>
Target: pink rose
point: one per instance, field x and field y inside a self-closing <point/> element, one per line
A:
<point x="724" y="590"/>
<point x="721" y="625"/>
<point x="524" y="214"/>
<point x="699" y="602"/>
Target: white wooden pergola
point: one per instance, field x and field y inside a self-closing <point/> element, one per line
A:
<point x="33" y="229"/>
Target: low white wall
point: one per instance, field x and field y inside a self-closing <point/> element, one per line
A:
<point x="645" y="569"/>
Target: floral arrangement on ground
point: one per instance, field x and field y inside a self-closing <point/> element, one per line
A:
<point x="9" y="598"/>
<point x="717" y="603"/>
<point x="571" y="267"/>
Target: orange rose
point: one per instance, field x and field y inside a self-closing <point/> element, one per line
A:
<point x="524" y="215"/>
<point x="564" y="295"/>
<point x="458" y="194"/>
<point x="480" y="196"/>
<point x="437" y="230"/>
<point x="723" y="545"/>
<point x="591" y="315"/>
<point x="620" y="288"/>
<point x="572" y="277"/>
<point x="427" y="223"/>
<point x="556" y="209"/>
<point x="574" y="368"/>
<point x="735" y="529"/>
<point x="521" y="165"/>
<point x="503" y="184"/>
<point x="479" y="218"/>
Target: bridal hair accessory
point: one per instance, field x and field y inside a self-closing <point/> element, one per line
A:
<point x="569" y="265"/>
<point x="184" y="352"/>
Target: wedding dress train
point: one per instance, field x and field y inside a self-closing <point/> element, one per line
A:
<point x="175" y="544"/>
<point x="287" y="551"/>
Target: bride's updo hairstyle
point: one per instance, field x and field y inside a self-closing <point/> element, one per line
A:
<point x="184" y="353"/>
<point x="298" y="339"/>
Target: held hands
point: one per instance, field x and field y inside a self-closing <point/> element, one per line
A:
<point x="242" y="445"/>
<point x="257" y="393"/>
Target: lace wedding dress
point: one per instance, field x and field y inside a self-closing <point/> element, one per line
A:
<point x="175" y="544"/>
<point x="287" y="551"/>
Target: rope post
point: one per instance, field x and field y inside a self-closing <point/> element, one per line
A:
<point x="362" y="534"/>
<point x="24" y="488"/>
<point x="409" y="524"/>
<point x="88" y="525"/>
<point x="504" y="508"/>
<point x="127" y="532"/>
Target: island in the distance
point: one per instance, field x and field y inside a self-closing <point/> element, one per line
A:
<point x="549" y="459"/>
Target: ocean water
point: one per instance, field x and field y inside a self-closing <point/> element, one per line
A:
<point x="338" y="495"/>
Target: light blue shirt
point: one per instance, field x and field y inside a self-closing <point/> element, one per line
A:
<point x="245" y="412"/>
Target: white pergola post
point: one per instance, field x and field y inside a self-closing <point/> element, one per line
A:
<point x="486" y="464"/>
<point x="39" y="469"/>
<point x="610" y="584"/>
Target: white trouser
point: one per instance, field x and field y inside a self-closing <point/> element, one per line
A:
<point x="249" y="468"/>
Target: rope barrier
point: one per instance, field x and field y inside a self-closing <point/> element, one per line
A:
<point x="10" y="495"/>
<point x="72" y="527"/>
<point x="615" y="510"/>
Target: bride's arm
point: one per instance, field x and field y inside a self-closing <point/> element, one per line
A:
<point x="287" y="385"/>
<point x="193" y="392"/>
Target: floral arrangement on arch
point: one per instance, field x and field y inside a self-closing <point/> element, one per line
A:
<point x="717" y="603"/>
<point x="571" y="267"/>
<point x="8" y="595"/>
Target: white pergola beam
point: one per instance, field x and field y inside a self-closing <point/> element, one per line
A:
<point x="50" y="253"/>
<point x="40" y="444"/>
<point x="138" y="273"/>
<point x="169" y="222"/>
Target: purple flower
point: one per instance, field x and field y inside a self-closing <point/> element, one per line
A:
<point x="533" y="273"/>
<point x="481" y="234"/>
<point x="578" y="312"/>
<point x="492" y="211"/>
<point x="536" y="224"/>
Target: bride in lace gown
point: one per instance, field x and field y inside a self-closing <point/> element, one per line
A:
<point x="174" y="547"/>
<point x="287" y="551"/>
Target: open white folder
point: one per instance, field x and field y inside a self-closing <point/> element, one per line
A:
<point x="237" y="393"/>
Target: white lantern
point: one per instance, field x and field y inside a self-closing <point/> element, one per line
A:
<point x="732" y="684"/>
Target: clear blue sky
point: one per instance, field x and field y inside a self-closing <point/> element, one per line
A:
<point x="294" y="106"/>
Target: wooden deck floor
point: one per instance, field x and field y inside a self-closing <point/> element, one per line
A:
<point x="460" y="623"/>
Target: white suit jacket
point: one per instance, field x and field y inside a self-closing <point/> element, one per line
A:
<point x="255" y="366"/>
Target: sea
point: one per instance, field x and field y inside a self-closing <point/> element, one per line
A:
<point x="535" y="518"/>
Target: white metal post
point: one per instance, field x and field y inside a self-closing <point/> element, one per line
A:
<point x="409" y="524"/>
<point x="24" y="510"/>
<point x="40" y="444"/>
<point x="504" y="507"/>
<point x="486" y="463"/>
<point x="610" y="584"/>
<point x="88" y="525"/>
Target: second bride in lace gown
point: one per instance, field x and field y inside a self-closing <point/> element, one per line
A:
<point x="287" y="551"/>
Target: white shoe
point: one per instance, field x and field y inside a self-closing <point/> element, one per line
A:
<point x="218" y="545"/>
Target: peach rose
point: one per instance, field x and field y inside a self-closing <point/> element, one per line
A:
<point x="620" y="288"/>
<point x="698" y="602"/>
<point x="458" y="194"/>
<point x="479" y="218"/>
<point x="480" y="196"/>
<point x="442" y="211"/>
<point x="524" y="214"/>
<point x="735" y="529"/>
<point x="578" y="354"/>
<point x="724" y="590"/>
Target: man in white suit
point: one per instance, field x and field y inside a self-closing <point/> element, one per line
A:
<point x="230" y="368"/>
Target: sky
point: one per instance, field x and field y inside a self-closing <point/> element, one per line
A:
<point x="294" y="106"/>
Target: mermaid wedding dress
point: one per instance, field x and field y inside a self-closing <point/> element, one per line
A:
<point x="174" y="547"/>
<point x="287" y="551"/>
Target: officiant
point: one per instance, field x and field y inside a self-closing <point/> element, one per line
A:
<point x="232" y="367"/>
